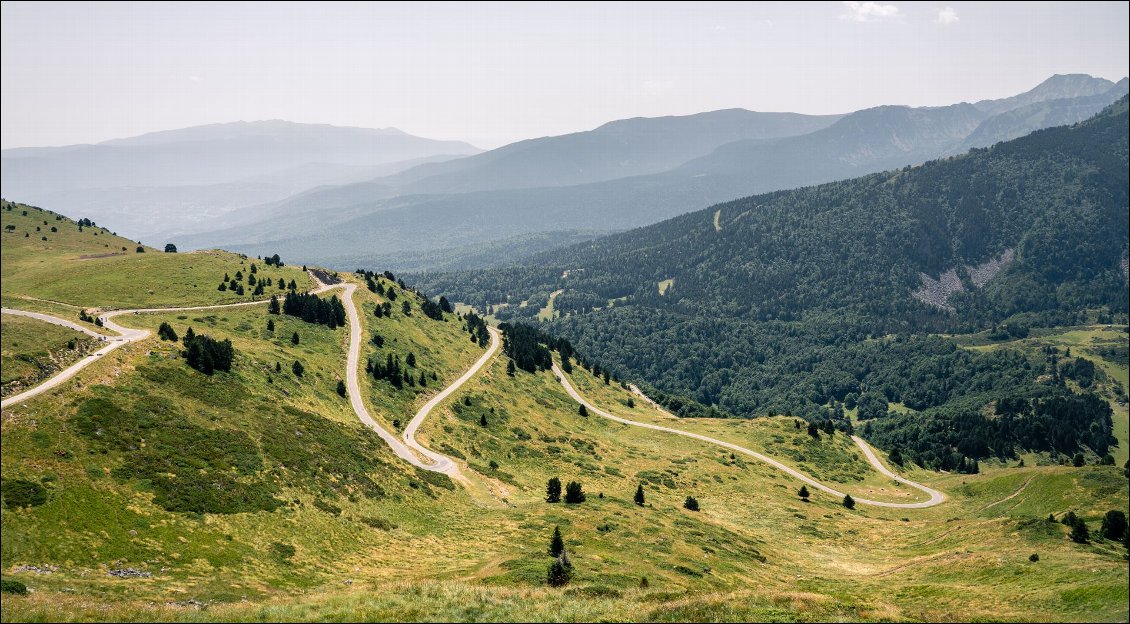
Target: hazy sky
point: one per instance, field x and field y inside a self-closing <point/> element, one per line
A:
<point x="494" y="73"/>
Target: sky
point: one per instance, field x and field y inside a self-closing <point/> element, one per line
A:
<point x="491" y="73"/>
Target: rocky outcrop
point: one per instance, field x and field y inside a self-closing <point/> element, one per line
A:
<point x="936" y="292"/>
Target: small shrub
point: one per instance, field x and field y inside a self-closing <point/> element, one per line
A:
<point x="691" y="503"/>
<point x="556" y="543"/>
<point x="13" y="587"/>
<point x="20" y="493"/>
<point x="282" y="552"/>
<point x="1033" y="557"/>
<point x="379" y="523"/>
<point x="329" y="508"/>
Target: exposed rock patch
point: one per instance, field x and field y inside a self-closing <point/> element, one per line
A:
<point x="129" y="573"/>
<point x="936" y="292"/>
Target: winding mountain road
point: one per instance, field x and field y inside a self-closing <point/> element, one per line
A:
<point x="444" y="463"/>
<point x="406" y="447"/>
<point x="125" y="336"/>
<point x="936" y="497"/>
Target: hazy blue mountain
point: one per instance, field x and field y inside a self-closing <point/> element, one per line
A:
<point x="617" y="149"/>
<point x="364" y="216"/>
<point x="369" y="221"/>
<point x="1058" y="87"/>
<point x="152" y="182"/>
<point x="862" y="142"/>
<point x="1045" y="114"/>
<point x="396" y="221"/>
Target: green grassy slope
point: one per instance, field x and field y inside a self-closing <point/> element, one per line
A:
<point x="455" y="553"/>
<point x="95" y="268"/>
<point x="256" y="495"/>
<point x="33" y="350"/>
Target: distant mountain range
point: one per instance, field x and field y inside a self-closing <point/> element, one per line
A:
<point x="444" y="213"/>
<point x="187" y="179"/>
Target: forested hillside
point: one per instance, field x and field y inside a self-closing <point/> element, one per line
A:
<point x="799" y="300"/>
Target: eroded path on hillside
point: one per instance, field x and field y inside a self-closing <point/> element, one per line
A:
<point x="936" y="497"/>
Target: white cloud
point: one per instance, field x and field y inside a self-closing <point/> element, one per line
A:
<point x="869" y="11"/>
<point x="947" y="16"/>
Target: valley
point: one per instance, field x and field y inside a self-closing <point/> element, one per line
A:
<point x="319" y="512"/>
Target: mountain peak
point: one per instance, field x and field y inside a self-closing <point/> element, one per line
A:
<point x="1057" y="86"/>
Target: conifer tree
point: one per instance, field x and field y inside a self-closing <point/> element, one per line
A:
<point x="849" y="502"/>
<point x="556" y="544"/>
<point x="1114" y="525"/>
<point x="574" y="493"/>
<point x="553" y="490"/>
<point x="560" y="572"/>
<point x="803" y="493"/>
<point x="639" y="498"/>
<point x="166" y="332"/>
<point x="1079" y="532"/>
